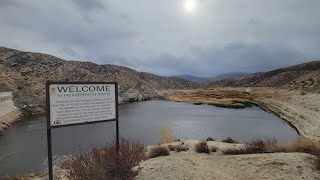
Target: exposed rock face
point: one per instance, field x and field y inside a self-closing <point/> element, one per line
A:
<point x="302" y="76"/>
<point x="8" y="111"/>
<point x="25" y="74"/>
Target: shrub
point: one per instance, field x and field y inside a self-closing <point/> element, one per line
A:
<point x="198" y="103"/>
<point x="210" y="139"/>
<point x="305" y="146"/>
<point x="213" y="149"/>
<point x="158" y="151"/>
<point x="166" y="136"/>
<point x="229" y="140"/>
<point x="254" y="147"/>
<point x="105" y="163"/>
<point x="172" y="147"/>
<point x="202" y="147"/>
<point x="234" y="151"/>
<point x="181" y="148"/>
<point x="177" y="148"/>
<point x="259" y="146"/>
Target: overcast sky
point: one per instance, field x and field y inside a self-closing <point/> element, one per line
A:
<point x="165" y="37"/>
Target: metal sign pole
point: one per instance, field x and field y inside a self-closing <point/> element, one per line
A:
<point x="117" y="119"/>
<point x="49" y="154"/>
<point x="50" y="169"/>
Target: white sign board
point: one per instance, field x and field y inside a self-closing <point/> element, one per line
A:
<point x="81" y="103"/>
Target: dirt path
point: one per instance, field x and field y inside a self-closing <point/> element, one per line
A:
<point x="186" y="165"/>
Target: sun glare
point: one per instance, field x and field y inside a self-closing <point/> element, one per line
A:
<point x="190" y="5"/>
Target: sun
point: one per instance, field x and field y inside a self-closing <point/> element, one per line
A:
<point x="190" y="5"/>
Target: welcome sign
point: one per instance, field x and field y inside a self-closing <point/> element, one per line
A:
<point x="78" y="103"/>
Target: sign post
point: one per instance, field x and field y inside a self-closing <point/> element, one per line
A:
<point x="80" y="103"/>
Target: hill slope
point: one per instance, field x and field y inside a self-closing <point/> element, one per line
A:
<point x="25" y="74"/>
<point x="304" y="76"/>
<point x="195" y="78"/>
<point x="206" y="80"/>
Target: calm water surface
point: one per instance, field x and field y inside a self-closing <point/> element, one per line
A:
<point x="24" y="148"/>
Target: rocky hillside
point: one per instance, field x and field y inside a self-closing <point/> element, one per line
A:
<point x="25" y="74"/>
<point x="304" y="76"/>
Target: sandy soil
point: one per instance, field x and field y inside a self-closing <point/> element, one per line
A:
<point x="192" y="165"/>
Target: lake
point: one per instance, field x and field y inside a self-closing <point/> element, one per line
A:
<point x="23" y="148"/>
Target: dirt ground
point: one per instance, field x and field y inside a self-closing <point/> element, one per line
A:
<point x="192" y="165"/>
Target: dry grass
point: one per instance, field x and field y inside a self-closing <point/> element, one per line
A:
<point x="271" y="146"/>
<point x="158" y="151"/>
<point x="254" y="147"/>
<point x="178" y="148"/>
<point x="229" y="140"/>
<point x="202" y="147"/>
<point x="217" y="96"/>
<point x="166" y="136"/>
<point x="105" y="163"/>
<point x="304" y="145"/>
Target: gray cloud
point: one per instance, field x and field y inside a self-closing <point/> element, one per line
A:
<point x="8" y="3"/>
<point x="240" y="57"/>
<point x="159" y="37"/>
<point x="89" y="5"/>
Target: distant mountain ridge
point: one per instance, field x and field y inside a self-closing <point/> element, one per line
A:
<point x="194" y="78"/>
<point x="305" y="76"/>
<point x="210" y="79"/>
<point x="25" y="74"/>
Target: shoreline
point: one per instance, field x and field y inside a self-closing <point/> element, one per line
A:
<point x="9" y="112"/>
<point x="300" y="112"/>
<point x="270" y="110"/>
